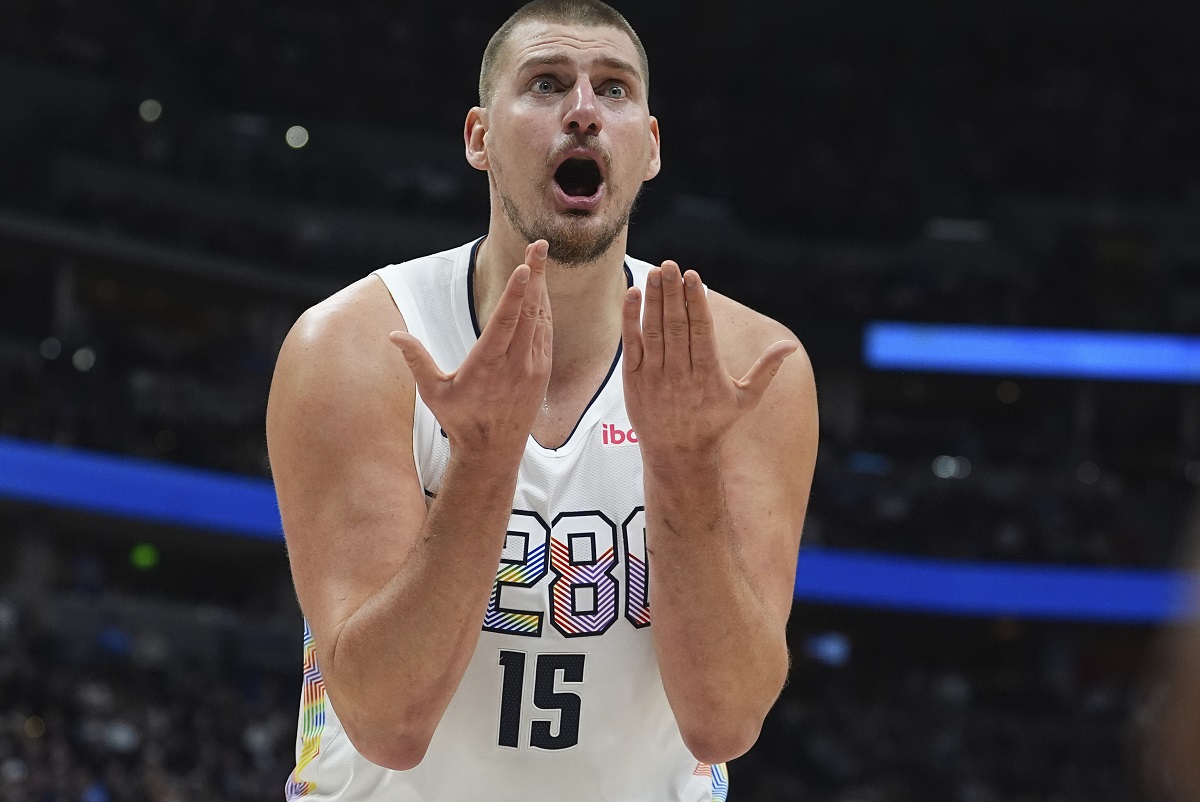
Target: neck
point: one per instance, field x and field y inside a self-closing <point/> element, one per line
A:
<point x="585" y="300"/>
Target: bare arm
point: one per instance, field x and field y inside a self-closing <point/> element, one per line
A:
<point x="394" y="629"/>
<point x="728" y="466"/>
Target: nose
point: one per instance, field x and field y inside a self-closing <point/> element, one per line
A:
<point x="582" y="114"/>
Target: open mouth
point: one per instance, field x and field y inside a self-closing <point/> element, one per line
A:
<point x="579" y="177"/>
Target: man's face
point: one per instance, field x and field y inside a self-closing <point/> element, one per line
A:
<point x="569" y="137"/>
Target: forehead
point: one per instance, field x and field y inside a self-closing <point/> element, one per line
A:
<point x="581" y="44"/>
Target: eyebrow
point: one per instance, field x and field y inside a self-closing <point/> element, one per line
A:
<point x="561" y="59"/>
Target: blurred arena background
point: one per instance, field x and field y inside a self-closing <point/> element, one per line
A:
<point x="992" y="548"/>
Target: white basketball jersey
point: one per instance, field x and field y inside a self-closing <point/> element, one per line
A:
<point x="562" y="699"/>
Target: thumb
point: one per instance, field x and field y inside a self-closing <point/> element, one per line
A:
<point x="756" y="381"/>
<point x="424" y="370"/>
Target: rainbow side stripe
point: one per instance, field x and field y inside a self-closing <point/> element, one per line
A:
<point x="719" y="776"/>
<point x="312" y="717"/>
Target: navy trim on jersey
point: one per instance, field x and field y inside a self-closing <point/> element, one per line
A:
<point x="475" y="325"/>
<point x="611" y="369"/>
<point x="471" y="287"/>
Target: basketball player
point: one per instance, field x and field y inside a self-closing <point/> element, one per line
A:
<point x="543" y="536"/>
<point x="1172" y="750"/>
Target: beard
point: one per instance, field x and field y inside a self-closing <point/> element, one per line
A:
<point x="576" y="238"/>
<point x="573" y="242"/>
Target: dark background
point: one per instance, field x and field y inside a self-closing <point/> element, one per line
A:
<point x="828" y="164"/>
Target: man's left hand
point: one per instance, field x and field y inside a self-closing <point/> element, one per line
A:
<point x="680" y="398"/>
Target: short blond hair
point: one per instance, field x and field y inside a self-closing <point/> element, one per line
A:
<point x="591" y="13"/>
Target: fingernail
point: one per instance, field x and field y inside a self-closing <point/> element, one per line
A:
<point x="522" y="274"/>
<point x="669" y="275"/>
<point x="692" y="280"/>
<point x="656" y="278"/>
<point x="543" y="249"/>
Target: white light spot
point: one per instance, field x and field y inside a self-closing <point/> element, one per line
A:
<point x="962" y="468"/>
<point x="150" y="110"/>
<point x="945" y="467"/>
<point x="297" y="136"/>
<point x="1088" y="472"/>
<point x="84" y="359"/>
<point x="50" y="348"/>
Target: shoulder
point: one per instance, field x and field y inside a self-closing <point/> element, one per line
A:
<point x="743" y="334"/>
<point x="785" y="423"/>
<point x="338" y="351"/>
<point x="346" y="323"/>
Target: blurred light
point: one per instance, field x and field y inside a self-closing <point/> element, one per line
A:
<point x="831" y="648"/>
<point x="870" y="463"/>
<point x="952" y="229"/>
<point x="1009" y="392"/>
<point x="1012" y="351"/>
<point x="1088" y="472"/>
<point x="50" y="348"/>
<point x="13" y="770"/>
<point x="297" y="136"/>
<point x="150" y="110"/>
<point x="947" y="467"/>
<point x="84" y="359"/>
<point x="1191" y="471"/>
<point x="35" y="727"/>
<point x="143" y="556"/>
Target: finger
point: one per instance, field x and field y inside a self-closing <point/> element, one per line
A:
<point x="543" y="342"/>
<point x="675" y="319"/>
<point x="523" y="335"/>
<point x="521" y="343"/>
<point x="498" y="332"/>
<point x="547" y="322"/>
<point x="424" y="369"/>
<point x="652" y="321"/>
<point x="631" y="330"/>
<point x="702" y="343"/>
<point x="756" y="381"/>
<point x="535" y="256"/>
<point x="537" y="349"/>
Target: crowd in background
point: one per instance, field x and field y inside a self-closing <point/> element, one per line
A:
<point x="112" y="715"/>
<point x="888" y="112"/>
<point x="117" y="707"/>
<point x="864" y="161"/>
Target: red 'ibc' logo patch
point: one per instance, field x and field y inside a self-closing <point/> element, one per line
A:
<point x="610" y="435"/>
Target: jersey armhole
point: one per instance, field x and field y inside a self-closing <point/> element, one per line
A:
<point x="424" y="428"/>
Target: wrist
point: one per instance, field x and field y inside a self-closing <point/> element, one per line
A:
<point x="488" y="464"/>
<point x="680" y="461"/>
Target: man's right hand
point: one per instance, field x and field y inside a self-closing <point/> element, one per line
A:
<point x="488" y="406"/>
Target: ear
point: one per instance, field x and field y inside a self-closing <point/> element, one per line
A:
<point x="655" y="163"/>
<point x="473" y="137"/>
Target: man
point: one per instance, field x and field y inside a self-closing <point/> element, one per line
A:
<point x="1172" y="743"/>
<point x="544" y="542"/>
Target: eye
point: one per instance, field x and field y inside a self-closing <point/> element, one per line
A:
<point x="615" y="91"/>
<point x="542" y="86"/>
